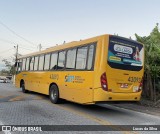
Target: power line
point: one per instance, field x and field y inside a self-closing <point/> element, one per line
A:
<point x="20" y="46"/>
<point x="10" y="58"/>
<point x="6" y="50"/>
<point x="10" y="42"/>
<point x="25" y="48"/>
<point x="13" y="32"/>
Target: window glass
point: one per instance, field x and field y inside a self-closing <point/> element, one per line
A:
<point x="53" y="65"/>
<point x="41" y="62"/>
<point x="27" y="64"/>
<point x="24" y="64"/>
<point x="31" y="63"/>
<point x="61" y="60"/>
<point x="19" y="69"/>
<point x="36" y="63"/>
<point x="90" y="57"/>
<point x="125" y="54"/>
<point x="71" y="57"/>
<point x="81" y="58"/>
<point x="47" y="61"/>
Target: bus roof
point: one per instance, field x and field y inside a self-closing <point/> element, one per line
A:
<point x="71" y="44"/>
<point x="64" y="46"/>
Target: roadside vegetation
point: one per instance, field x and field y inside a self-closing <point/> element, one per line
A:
<point x="151" y="80"/>
<point x="9" y="68"/>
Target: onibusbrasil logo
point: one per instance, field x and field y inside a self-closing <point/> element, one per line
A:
<point x="8" y="129"/>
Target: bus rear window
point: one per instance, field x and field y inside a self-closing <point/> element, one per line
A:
<point x="125" y="54"/>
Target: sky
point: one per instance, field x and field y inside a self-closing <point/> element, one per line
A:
<point x="29" y="23"/>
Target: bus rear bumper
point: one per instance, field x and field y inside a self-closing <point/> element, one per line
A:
<point x="110" y="96"/>
<point x="124" y="96"/>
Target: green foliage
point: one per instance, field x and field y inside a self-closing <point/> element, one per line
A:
<point x="10" y="67"/>
<point x="4" y="72"/>
<point x="152" y="51"/>
<point x="152" y="61"/>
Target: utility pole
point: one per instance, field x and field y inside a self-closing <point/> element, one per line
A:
<point x="16" y="54"/>
<point x="16" y="64"/>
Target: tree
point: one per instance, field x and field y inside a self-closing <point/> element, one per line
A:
<point x="4" y="72"/>
<point x="152" y="62"/>
<point x="10" y="67"/>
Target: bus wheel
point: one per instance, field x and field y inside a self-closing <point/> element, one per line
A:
<point x="54" y="94"/>
<point x="23" y="88"/>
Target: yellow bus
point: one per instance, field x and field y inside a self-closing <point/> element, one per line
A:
<point x="99" y="69"/>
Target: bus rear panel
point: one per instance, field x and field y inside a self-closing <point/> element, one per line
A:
<point x="121" y="72"/>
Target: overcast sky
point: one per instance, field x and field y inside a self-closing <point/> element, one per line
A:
<point x="49" y="22"/>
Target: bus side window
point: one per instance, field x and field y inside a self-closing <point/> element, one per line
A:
<point x="90" y="57"/>
<point x="36" y="63"/>
<point x="46" y="63"/>
<point x="31" y="63"/>
<point x="41" y="62"/>
<point x="61" y="60"/>
<point x="71" y="57"/>
<point x="81" y="58"/>
<point x="20" y="65"/>
<point x="53" y="64"/>
<point x="23" y="64"/>
<point x="27" y="64"/>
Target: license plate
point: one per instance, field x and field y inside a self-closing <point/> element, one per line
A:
<point x="124" y="85"/>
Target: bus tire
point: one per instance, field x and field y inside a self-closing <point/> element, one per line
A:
<point x="23" y="88"/>
<point x="54" y="94"/>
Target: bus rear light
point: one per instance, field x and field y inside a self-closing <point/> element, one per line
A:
<point x="140" y="86"/>
<point x="104" y="82"/>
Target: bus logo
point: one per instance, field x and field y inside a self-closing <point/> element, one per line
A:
<point x="69" y="78"/>
<point x="6" y="129"/>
